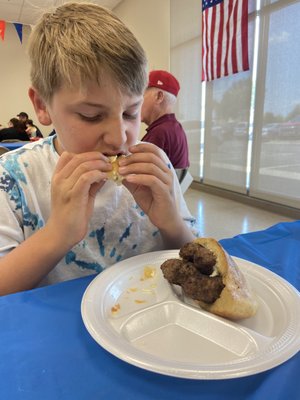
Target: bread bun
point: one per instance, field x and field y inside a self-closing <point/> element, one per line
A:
<point x="114" y="173"/>
<point x="236" y="300"/>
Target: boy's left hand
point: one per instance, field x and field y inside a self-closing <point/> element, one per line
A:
<point x="150" y="180"/>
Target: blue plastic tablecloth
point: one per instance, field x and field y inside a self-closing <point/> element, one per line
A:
<point x="46" y="352"/>
<point x="13" y="145"/>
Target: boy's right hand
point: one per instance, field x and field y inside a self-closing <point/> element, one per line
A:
<point x="75" y="182"/>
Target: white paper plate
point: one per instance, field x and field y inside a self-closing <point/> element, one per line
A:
<point x="140" y="319"/>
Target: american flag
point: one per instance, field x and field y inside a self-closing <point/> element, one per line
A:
<point x="224" y="38"/>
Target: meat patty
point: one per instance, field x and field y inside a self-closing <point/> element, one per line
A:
<point x="202" y="287"/>
<point x="194" y="284"/>
<point x="201" y="257"/>
<point x="176" y="271"/>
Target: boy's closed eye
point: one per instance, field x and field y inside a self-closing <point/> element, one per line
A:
<point x="130" y="116"/>
<point x="91" y="118"/>
<point x="100" y="117"/>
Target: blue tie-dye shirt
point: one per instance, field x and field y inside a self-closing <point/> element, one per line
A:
<point x="118" y="228"/>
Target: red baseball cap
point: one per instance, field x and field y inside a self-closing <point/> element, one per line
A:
<point x="164" y="80"/>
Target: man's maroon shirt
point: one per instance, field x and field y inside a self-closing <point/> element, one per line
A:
<point x="167" y="133"/>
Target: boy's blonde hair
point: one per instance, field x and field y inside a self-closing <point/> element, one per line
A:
<point x="78" y="42"/>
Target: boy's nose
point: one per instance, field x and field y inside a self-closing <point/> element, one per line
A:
<point x="116" y="134"/>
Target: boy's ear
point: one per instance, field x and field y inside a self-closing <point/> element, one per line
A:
<point x="39" y="107"/>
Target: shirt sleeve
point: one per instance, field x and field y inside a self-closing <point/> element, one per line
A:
<point x="11" y="232"/>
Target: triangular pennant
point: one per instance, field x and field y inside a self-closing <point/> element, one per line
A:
<point x="2" y="29"/>
<point x="19" y="29"/>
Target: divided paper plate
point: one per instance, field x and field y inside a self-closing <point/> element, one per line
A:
<point x="135" y="314"/>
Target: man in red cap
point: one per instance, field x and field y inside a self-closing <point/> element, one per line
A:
<point x="163" y="128"/>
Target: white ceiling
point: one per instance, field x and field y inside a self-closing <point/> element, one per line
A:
<point x="28" y="11"/>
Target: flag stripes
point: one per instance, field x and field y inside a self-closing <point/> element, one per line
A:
<point x="224" y="38"/>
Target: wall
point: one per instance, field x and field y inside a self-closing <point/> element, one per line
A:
<point x="14" y="76"/>
<point x="150" y="23"/>
<point x="149" y="20"/>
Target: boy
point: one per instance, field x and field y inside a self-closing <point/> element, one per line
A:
<point x="60" y="217"/>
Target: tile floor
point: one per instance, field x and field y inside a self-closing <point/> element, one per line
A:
<point x="222" y="218"/>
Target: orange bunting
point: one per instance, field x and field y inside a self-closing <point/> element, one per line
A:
<point x="2" y="29"/>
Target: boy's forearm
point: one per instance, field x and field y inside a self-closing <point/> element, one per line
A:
<point x="26" y="265"/>
<point x="177" y="235"/>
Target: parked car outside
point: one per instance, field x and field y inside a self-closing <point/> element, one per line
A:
<point x="271" y="131"/>
<point x="241" y="129"/>
<point x="291" y="129"/>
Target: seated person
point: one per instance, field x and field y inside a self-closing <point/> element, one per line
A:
<point x="23" y="116"/>
<point x="163" y="128"/>
<point x="16" y="131"/>
<point x="31" y="129"/>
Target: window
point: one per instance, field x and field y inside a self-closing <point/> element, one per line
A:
<point x="243" y="130"/>
<point x="276" y="167"/>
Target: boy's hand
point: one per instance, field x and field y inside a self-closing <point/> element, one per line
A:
<point x="150" y="180"/>
<point x="75" y="182"/>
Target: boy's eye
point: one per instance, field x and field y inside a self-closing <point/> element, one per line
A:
<point x="130" y="116"/>
<point x="93" y="118"/>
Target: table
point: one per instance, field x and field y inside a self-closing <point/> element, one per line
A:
<point x="46" y="352"/>
<point x="13" y="145"/>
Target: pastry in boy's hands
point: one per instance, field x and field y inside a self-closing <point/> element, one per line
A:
<point x="114" y="173"/>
